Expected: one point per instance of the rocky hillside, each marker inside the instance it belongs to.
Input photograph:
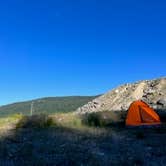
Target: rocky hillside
(151, 91)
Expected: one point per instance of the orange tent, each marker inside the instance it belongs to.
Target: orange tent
(140, 113)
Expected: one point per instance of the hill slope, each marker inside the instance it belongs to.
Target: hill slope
(151, 91)
(46, 105)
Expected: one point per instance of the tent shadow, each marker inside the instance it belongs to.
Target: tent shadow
(162, 114)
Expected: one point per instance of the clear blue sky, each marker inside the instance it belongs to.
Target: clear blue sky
(78, 47)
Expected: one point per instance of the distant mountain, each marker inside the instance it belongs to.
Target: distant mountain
(151, 91)
(48, 105)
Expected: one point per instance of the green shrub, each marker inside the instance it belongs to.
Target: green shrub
(49, 122)
(91, 119)
(40, 121)
(104, 118)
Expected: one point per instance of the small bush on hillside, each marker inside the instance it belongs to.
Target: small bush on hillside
(104, 118)
(35, 121)
(49, 122)
(92, 119)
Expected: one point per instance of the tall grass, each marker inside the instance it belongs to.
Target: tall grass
(12, 119)
(70, 120)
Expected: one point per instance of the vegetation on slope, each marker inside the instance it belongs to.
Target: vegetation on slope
(46, 105)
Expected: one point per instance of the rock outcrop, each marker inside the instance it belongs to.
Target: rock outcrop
(151, 91)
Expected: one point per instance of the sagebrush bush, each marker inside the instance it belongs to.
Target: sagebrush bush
(41, 120)
(92, 119)
(104, 118)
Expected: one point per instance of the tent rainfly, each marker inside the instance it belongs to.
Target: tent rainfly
(140, 113)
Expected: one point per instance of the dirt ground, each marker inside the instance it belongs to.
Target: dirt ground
(59, 146)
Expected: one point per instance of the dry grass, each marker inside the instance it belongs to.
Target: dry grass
(10, 121)
(69, 142)
(67, 120)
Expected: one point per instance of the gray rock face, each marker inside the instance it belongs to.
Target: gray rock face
(162, 102)
(151, 91)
